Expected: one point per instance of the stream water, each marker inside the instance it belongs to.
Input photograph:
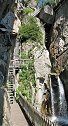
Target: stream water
(52, 99)
(62, 100)
(59, 110)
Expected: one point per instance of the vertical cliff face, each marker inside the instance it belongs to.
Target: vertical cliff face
(4, 58)
(6, 26)
(5, 6)
(42, 66)
(5, 47)
(59, 43)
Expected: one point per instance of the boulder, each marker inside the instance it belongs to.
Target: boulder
(46, 14)
(8, 21)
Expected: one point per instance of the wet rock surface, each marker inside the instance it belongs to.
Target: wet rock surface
(59, 44)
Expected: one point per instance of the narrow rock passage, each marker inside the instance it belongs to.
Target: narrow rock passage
(17, 116)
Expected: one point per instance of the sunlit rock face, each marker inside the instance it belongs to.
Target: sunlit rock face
(43, 68)
(16, 24)
(59, 44)
(42, 64)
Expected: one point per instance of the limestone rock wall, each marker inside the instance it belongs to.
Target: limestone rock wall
(59, 44)
(42, 66)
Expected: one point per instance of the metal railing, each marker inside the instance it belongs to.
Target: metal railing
(18, 62)
(35, 117)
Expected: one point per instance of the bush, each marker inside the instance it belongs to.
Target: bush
(30, 30)
(26, 76)
(24, 55)
(28, 10)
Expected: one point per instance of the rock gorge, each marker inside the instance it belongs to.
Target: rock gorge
(50, 60)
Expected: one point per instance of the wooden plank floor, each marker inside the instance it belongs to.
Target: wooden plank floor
(17, 117)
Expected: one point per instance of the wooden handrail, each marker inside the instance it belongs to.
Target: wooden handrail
(17, 62)
(21, 60)
(35, 117)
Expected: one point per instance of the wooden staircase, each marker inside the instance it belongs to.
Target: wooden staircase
(10, 93)
(10, 83)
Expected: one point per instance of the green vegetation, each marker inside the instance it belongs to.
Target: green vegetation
(24, 55)
(27, 77)
(31, 30)
(27, 73)
(27, 10)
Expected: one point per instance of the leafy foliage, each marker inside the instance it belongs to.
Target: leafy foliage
(24, 55)
(27, 73)
(30, 30)
(26, 76)
(27, 10)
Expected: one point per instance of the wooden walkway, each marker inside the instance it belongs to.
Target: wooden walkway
(17, 117)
